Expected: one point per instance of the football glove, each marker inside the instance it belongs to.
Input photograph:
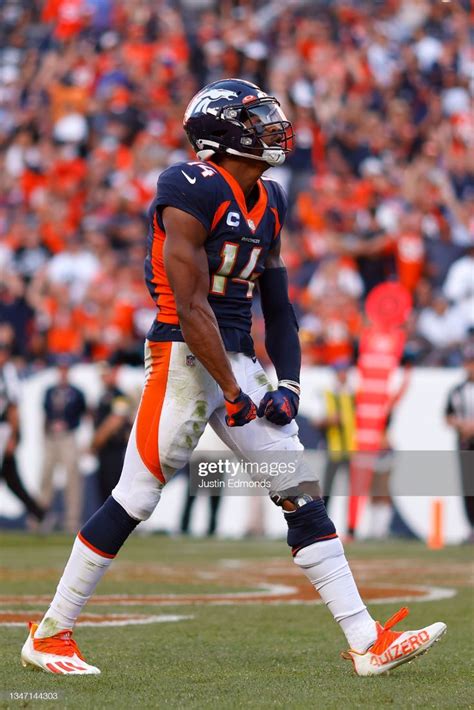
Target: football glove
(241, 411)
(279, 406)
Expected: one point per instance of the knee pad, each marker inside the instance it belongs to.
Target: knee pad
(308, 524)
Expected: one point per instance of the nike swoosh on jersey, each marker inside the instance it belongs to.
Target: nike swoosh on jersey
(189, 179)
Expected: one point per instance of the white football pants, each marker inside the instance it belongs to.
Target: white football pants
(179, 398)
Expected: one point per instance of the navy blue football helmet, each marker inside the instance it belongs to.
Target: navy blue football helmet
(236, 117)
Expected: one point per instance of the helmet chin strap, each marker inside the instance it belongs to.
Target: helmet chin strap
(270, 156)
(205, 154)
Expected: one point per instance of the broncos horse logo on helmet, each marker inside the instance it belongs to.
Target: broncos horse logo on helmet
(201, 102)
(236, 117)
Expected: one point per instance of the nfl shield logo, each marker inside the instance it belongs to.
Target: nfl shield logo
(190, 360)
(251, 224)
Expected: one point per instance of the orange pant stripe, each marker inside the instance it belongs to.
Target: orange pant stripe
(149, 412)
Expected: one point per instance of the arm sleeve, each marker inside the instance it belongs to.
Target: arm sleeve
(281, 327)
(189, 188)
(279, 210)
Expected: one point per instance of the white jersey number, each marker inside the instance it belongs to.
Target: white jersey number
(220, 279)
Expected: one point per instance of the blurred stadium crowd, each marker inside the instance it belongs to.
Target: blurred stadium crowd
(381, 184)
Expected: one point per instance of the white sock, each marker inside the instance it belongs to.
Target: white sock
(81, 575)
(326, 567)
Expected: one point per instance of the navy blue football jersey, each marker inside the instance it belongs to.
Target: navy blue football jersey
(237, 244)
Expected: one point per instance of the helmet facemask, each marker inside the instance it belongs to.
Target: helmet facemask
(268, 134)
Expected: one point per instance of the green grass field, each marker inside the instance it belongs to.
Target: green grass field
(234, 655)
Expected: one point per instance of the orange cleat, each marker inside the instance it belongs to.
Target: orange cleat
(55, 654)
(392, 648)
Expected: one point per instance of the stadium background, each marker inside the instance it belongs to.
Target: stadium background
(381, 184)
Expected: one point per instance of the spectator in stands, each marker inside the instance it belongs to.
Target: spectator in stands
(328, 334)
(74, 266)
(444, 328)
(334, 276)
(381, 177)
(16, 311)
(64, 406)
(459, 286)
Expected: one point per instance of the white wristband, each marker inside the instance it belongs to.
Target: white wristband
(290, 385)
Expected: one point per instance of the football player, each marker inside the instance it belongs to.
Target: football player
(215, 229)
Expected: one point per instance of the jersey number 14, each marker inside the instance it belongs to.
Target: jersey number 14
(247, 276)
